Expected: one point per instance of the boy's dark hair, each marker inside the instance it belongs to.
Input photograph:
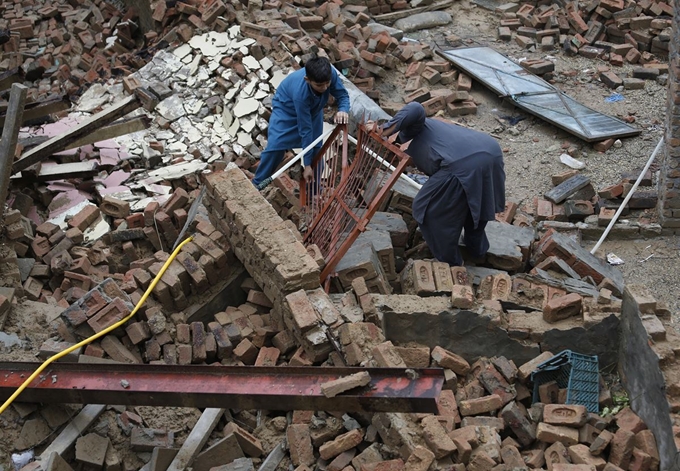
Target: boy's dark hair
(318, 70)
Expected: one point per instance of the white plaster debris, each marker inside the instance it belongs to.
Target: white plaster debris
(245, 139)
(251, 63)
(182, 51)
(173, 172)
(244, 107)
(277, 78)
(171, 108)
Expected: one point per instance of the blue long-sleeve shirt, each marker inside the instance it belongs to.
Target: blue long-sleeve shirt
(297, 115)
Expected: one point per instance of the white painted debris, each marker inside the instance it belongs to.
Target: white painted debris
(176, 171)
(182, 51)
(251, 63)
(244, 107)
(171, 108)
(614, 259)
(569, 161)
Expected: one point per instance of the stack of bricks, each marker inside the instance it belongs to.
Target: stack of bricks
(266, 245)
(669, 176)
(618, 31)
(575, 207)
(487, 403)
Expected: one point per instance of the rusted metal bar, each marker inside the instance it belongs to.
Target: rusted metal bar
(270, 388)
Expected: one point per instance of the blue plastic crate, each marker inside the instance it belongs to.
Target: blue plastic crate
(579, 374)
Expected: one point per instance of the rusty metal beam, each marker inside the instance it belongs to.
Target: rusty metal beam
(244, 387)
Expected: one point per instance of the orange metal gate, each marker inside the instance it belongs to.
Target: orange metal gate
(340, 203)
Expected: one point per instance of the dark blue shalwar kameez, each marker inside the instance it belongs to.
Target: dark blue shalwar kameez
(297, 119)
(466, 185)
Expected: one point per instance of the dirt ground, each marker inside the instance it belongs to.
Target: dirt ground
(532, 148)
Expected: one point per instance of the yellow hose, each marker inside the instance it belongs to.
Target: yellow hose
(99, 334)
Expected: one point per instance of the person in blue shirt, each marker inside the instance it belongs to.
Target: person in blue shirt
(466, 184)
(297, 115)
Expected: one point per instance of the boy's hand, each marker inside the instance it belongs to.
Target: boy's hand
(341, 117)
(308, 174)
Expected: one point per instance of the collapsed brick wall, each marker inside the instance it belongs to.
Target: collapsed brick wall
(272, 253)
(669, 179)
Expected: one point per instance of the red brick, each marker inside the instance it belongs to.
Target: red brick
(563, 414)
(85, 217)
(562, 307)
(480, 405)
(621, 448)
(109, 315)
(629, 420)
(267, 356)
(300, 445)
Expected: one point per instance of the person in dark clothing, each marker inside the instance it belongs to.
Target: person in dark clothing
(297, 114)
(466, 184)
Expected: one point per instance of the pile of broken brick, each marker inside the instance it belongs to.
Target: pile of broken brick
(617, 31)
(64, 48)
(573, 206)
(487, 416)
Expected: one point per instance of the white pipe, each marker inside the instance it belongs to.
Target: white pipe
(408, 180)
(627, 198)
(264, 183)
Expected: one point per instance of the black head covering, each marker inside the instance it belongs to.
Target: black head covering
(410, 120)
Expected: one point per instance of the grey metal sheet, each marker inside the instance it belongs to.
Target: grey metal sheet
(536, 96)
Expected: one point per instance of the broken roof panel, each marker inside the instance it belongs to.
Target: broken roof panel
(536, 96)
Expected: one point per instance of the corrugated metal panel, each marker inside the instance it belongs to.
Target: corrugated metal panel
(536, 96)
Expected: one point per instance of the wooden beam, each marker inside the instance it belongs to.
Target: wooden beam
(73, 430)
(196, 440)
(36, 110)
(10, 134)
(84, 169)
(9, 77)
(115, 129)
(397, 15)
(62, 141)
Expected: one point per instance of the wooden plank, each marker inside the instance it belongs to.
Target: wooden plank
(567, 188)
(9, 77)
(70, 170)
(397, 15)
(67, 438)
(196, 439)
(115, 129)
(60, 142)
(10, 134)
(34, 111)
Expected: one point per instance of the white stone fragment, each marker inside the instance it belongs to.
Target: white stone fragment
(266, 63)
(171, 108)
(277, 78)
(251, 63)
(193, 67)
(248, 125)
(244, 107)
(231, 93)
(234, 31)
(233, 129)
(227, 118)
(182, 51)
(244, 139)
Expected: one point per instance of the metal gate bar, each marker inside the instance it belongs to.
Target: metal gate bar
(350, 206)
(241, 387)
(334, 161)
